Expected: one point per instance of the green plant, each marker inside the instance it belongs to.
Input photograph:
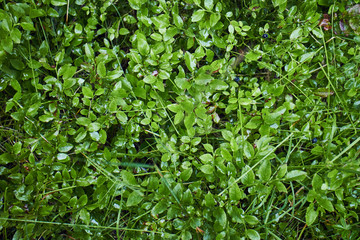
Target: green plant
(178, 119)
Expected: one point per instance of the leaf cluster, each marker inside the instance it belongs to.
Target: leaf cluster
(182, 119)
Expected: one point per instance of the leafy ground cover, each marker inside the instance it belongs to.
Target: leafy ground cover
(182, 119)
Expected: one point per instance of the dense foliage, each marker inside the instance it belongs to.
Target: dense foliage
(190, 119)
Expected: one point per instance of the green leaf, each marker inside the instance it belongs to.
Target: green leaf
(16, 210)
(6, 24)
(203, 79)
(160, 207)
(307, 57)
(244, 101)
(122, 117)
(227, 135)
(277, 91)
(63, 157)
(221, 219)
(17, 147)
(209, 4)
(124, 31)
(99, 92)
(101, 69)
(317, 182)
(6, 158)
(254, 122)
(273, 117)
(295, 175)
(156, 37)
(150, 79)
(252, 220)
(46, 118)
(34, 64)
(134, 198)
(208, 147)
(280, 186)
(326, 3)
(235, 192)
(178, 117)
(15, 84)
(253, 56)
(103, 136)
(197, 15)
(186, 174)
(178, 21)
(188, 197)
(129, 178)
(142, 44)
(325, 203)
(67, 71)
(78, 28)
(207, 158)
(278, 2)
(209, 200)
(170, 33)
(226, 155)
(189, 120)
(253, 234)
(45, 210)
(296, 34)
(52, 13)
(265, 170)
(28, 26)
(32, 111)
(140, 92)
(9, 106)
(58, 2)
(248, 150)
(218, 85)
(317, 32)
(87, 92)
(29, 228)
(136, 4)
(68, 83)
(219, 42)
(311, 214)
(214, 19)
(15, 35)
(17, 10)
(83, 121)
(190, 61)
(82, 200)
(207, 169)
(145, 121)
(7, 44)
(160, 85)
(94, 126)
(89, 52)
(248, 176)
(65, 147)
(282, 171)
(60, 56)
(80, 136)
(84, 216)
(161, 21)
